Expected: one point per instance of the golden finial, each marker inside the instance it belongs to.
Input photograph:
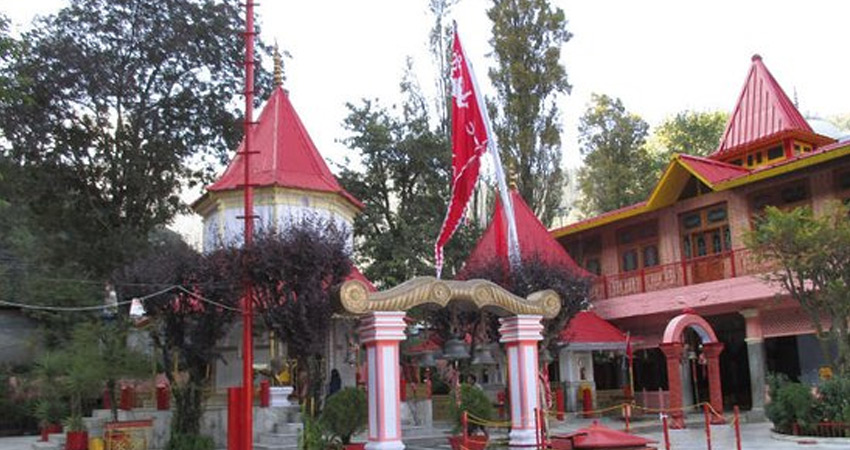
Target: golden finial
(278, 66)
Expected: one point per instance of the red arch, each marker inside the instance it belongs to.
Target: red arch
(676, 328)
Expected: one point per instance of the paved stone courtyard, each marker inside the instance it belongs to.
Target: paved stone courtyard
(755, 436)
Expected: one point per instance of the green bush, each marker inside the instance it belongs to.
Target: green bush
(346, 413)
(181, 441)
(790, 403)
(834, 400)
(475, 402)
(312, 434)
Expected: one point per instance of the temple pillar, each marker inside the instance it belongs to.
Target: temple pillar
(381, 333)
(712, 350)
(756, 359)
(673, 352)
(520, 335)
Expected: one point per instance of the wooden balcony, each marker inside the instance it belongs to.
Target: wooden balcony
(731, 264)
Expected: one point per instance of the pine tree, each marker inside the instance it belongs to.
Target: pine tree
(529, 78)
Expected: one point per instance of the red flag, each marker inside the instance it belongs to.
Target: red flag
(469, 142)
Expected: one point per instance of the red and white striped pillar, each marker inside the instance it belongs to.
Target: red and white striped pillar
(381, 332)
(520, 335)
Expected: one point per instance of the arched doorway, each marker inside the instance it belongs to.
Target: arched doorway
(382, 328)
(672, 344)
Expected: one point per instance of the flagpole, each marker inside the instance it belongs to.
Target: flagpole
(630, 356)
(513, 239)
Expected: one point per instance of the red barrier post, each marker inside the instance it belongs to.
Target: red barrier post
(265, 394)
(107, 402)
(666, 430)
(402, 389)
(127, 400)
(627, 413)
(233, 429)
(587, 402)
(464, 423)
(737, 427)
(163, 398)
(707, 426)
(559, 403)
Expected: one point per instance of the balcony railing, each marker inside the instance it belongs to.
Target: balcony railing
(730, 264)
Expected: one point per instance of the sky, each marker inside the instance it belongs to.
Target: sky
(659, 57)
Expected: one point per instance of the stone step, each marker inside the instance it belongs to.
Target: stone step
(276, 438)
(282, 446)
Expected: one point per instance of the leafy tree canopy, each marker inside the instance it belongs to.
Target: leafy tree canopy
(811, 254)
(689, 132)
(114, 100)
(618, 171)
(529, 80)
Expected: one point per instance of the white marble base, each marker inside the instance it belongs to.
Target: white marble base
(522, 439)
(280, 395)
(385, 445)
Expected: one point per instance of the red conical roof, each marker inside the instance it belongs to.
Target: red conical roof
(286, 156)
(763, 113)
(534, 240)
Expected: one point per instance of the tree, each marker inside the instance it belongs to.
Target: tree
(534, 275)
(812, 260)
(529, 78)
(117, 100)
(293, 273)
(187, 323)
(617, 169)
(688, 132)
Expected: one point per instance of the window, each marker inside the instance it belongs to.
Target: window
(737, 162)
(586, 252)
(592, 265)
(638, 246)
(650, 256)
(630, 261)
(842, 185)
(800, 148)
(775, 153)
(705, 232)
(787, 196)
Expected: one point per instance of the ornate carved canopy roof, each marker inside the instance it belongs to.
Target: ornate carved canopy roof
(356, 298)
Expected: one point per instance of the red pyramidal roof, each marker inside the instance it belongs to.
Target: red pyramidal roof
(286, 156)
(763, 113)
(588, 328)
(600, 436)
(534, 240)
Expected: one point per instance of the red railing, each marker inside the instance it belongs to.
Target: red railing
(731, 264)
(823, 429)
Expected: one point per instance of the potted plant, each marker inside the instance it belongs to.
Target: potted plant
(48, 411)
(346, 414)
(76, 433)
(49, 368)
(477, 405)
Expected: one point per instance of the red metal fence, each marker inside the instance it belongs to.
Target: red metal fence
(731, 264)
(823, 429)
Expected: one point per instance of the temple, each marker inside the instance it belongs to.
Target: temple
(681, 253)
(291, 182)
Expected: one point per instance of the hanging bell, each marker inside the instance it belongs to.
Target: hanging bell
(427, 360)
(483, 357)
(455, 349)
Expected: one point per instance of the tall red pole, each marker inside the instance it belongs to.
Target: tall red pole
(248, 215)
